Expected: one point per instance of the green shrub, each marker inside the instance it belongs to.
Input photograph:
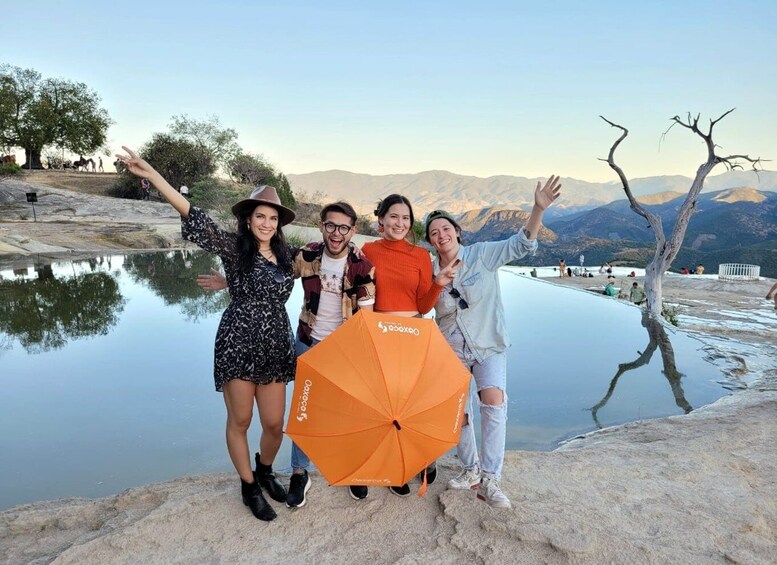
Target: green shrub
(9, 169)
(295, 240)
(670, 314)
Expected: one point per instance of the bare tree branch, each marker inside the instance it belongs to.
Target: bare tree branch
(653, 220)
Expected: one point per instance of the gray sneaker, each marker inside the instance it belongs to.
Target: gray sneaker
(490, 493)
(467, 479)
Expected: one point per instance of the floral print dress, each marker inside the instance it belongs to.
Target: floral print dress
(254, 341)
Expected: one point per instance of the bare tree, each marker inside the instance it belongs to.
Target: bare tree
(666, 249)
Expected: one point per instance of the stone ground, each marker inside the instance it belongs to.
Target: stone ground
(699, 488)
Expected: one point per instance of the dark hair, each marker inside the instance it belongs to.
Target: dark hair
(247, 248)
(342, 207)
(388, 202)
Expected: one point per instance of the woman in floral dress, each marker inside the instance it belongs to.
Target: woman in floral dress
(254, 351)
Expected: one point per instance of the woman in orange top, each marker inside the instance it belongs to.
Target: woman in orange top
(403, 271)
(404, 285)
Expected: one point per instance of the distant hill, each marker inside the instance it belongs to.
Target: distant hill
(458, 193)
(730, 226)
(492, 224)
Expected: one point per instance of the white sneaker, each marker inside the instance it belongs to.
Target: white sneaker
(467, 479)
(490, 493)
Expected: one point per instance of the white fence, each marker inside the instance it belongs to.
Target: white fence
(739, 272)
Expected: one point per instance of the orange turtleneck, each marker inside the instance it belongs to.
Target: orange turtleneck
(403, 276)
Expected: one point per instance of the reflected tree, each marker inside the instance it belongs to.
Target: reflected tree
(45, 313)
(172, 276)
(658, 339)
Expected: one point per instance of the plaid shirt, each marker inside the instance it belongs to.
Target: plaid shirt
(358, 284)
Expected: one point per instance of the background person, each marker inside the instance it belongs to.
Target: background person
(145, 191)
(254, 352)
(636, 294)
(772, 294)
(471, 317)
(610, 289)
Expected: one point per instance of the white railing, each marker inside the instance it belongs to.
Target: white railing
(739, 272)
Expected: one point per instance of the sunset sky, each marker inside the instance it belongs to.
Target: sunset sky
(482, 89)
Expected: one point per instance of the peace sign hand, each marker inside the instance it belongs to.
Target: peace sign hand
(446, 275)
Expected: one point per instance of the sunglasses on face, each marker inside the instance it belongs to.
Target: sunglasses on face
(462, 303)
(342, 229)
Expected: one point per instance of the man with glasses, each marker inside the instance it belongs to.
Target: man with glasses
(337, 281)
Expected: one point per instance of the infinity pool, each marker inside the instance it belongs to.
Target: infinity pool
(106, 371)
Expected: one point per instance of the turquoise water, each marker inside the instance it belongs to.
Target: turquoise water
(106, 372)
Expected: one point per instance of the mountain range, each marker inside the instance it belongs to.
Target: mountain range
(430, 190)
(729, 226)
(735, 221)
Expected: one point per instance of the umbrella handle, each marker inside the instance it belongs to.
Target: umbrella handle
(424, 484)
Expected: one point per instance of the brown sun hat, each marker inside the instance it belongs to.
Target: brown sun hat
(264, 194)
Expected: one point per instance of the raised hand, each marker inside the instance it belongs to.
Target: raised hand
(140, 168)
(446, 275)
(545, 195)
(135, 164)
(214, 281)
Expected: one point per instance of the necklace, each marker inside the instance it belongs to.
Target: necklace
(266, 252)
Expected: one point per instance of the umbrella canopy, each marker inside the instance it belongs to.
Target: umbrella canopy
(378, 400)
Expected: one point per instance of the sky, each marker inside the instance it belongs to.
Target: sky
(475, 88)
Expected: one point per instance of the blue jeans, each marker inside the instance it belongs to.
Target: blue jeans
(491, 373)
(298, 458)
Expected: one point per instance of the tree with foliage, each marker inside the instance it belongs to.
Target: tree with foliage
(180, 161)
(667, 248)
(251, 169)
(419, 231)
(209, 135)
(254, 170)
(36, 113)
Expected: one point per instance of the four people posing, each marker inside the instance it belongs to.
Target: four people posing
(255, 352)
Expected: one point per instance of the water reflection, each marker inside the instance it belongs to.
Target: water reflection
(135, 402)
(658, 338)
(171, 277)
(48, 311)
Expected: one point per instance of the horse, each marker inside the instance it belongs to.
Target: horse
(7, 159)
(85, 163)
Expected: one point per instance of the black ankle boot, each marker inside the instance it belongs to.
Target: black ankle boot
(266, 478)
(252, 497)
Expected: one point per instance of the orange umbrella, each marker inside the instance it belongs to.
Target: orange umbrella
(378, 400)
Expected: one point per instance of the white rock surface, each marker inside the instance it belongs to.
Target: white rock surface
(700, 488)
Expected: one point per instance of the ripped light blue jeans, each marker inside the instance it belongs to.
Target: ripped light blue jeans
(491, 373)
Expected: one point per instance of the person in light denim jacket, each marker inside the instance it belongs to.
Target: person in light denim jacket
(470, 315)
